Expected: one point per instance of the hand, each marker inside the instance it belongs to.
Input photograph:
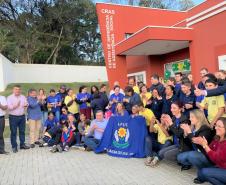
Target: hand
(125, 100)
(188, 106)
(186, 128)
(168, 120)
(95, 126)
(199, 92)
(200, 140)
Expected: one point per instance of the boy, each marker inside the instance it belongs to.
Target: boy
(67, 138)
(187, 97)
(54, 103)
(214, 104)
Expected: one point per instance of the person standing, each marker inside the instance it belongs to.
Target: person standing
(34, 116)
(17, 104)
(3, 108)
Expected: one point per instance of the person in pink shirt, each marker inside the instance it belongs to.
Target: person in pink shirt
(17, 105)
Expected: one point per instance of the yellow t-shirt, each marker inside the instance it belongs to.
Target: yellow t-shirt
(148, 115)
(74, 107)
(213, 103)
(162, 138)
(136, 89)
(148, 95)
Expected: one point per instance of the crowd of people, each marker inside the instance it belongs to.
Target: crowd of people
(185, 122)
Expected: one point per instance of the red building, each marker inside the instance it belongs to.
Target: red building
(140, 41)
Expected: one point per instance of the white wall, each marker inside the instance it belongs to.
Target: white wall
(41, 73)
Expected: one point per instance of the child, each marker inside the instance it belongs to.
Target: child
(163, 140)
(50, 122)
(187, 97)
(83, 126)
(67, 138)
(215, 104)
(54, 103)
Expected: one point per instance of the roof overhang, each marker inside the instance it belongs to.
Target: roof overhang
(155, 40)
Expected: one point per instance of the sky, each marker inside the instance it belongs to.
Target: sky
(195, 1)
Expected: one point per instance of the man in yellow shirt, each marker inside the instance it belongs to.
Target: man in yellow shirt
(70, 102)
(214, 104)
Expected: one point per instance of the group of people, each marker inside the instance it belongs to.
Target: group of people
(186, 123)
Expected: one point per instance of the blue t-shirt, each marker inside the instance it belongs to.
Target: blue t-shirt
(119, 98)
(85, 103)
(63, 117)
(50, 123)
(54, 100)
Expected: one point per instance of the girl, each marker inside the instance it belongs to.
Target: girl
(84, 99)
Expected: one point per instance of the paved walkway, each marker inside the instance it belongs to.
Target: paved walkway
(40, 167)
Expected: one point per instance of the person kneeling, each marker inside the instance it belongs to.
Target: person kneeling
(153, 146)
(96, 131)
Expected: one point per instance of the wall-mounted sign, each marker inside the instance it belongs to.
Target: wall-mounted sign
(183, 66)
(222, 62)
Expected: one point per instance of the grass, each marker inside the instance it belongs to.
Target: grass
(47, 86)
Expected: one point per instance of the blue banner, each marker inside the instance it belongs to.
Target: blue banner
(124, 136)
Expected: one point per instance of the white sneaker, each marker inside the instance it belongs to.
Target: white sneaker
(148, 161)
(154, 162)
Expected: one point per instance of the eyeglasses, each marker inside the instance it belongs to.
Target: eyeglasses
(218, 126)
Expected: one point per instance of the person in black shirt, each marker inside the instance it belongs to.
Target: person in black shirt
(156, 104)
(168, 99)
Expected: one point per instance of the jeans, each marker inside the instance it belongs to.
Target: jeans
(77, 138)
(194, 158)
(216, 176)
(57, 114)
(52, 141)
(169, 153)
(152, 146)
(91, 142)
(44, 117)
(2, 127)
(14, 122)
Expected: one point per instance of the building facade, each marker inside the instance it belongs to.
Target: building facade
(139, 41)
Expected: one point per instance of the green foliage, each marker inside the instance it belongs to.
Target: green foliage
(54, 32)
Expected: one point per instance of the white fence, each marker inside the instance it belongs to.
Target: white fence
(42, 73)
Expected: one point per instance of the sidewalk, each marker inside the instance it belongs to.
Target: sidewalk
(40, 167)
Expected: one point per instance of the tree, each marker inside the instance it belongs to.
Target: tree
(51, 32)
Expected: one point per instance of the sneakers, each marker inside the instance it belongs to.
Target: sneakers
(32, 145)
(59, 148)
(148, 160)
(53, 149)
(154, 162)
(66, 148)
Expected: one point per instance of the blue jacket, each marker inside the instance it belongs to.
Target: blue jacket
(133, 100)
(34, 109)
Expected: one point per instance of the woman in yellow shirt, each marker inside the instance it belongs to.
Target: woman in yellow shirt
(145, 95)
(71, 103)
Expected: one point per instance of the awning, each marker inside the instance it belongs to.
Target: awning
(155, 40)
